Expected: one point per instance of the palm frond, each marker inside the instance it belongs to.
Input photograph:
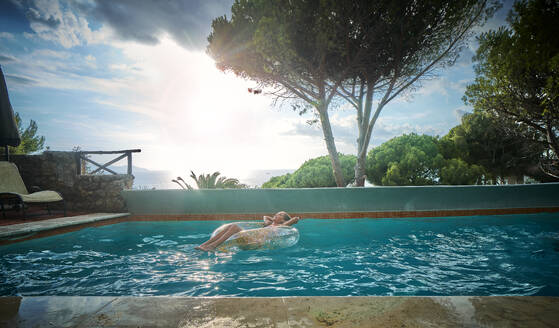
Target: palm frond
(175, 181)
(189, 187)
(210, 181)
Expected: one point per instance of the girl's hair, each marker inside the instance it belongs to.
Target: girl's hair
(286, 216)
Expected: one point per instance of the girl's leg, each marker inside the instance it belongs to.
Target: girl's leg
(214, 238)
(233, 229)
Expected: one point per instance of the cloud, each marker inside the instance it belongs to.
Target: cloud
(461, 111)
(344, 129)
(188, 22)
(198, 115)
(435, 86)
(6, 35)
(386, 130)
(468, 51)
(60, 22)
(91, 61)
(65, 70)
(48, 53)
(459, 86)
(304, 129)
(440, 86)
(7, 58)
(45, 18)
(20, 79)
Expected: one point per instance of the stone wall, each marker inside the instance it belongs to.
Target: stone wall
(343, 200)
(56, 170)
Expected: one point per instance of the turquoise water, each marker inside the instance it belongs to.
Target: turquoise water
(482, 255)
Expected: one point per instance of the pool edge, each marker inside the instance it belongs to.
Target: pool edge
(377, 311)
(342, 215)
(31, 230)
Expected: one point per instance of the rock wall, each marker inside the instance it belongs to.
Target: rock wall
(56, 170)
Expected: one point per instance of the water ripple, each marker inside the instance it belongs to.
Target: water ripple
(513, 255)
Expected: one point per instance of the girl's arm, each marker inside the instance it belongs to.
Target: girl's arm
(292, 221)
(267, 220)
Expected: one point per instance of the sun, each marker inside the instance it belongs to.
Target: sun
(206, 120)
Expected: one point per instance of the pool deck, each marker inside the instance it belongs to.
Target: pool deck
(452, 311)
(31, 228)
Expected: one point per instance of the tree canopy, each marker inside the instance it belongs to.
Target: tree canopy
(418, 160)
(405, 160)
(314, 173)
(517, 69)
(397, 45)
(291, 47)
(317, 51)
(482, 149)
(30, 141)
(500, 146)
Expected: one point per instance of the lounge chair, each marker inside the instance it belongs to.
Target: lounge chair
(13, 190)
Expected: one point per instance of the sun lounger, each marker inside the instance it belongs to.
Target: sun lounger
(13, 190)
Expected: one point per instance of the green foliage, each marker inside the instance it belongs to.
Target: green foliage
(266, 42)
(517, 75)
(420, 160)
(314, 173)
(316, 50)
(292, 47)
(457, 172)
(277, 182)
(210, 181)
(483, 149)
(30, 141)
(502, 147)
(406, 160)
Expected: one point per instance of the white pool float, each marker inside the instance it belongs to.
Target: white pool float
(255, 236)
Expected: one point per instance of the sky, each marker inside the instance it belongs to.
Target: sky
(111, 75)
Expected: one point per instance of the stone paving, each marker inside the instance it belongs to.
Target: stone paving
(452, 311)
(22, 229)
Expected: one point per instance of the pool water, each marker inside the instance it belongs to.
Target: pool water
(482, 255)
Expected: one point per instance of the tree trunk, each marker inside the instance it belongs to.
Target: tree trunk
(360, 166)
(330, 145)
(363, 125)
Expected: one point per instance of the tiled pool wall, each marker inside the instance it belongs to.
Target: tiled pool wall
(339, 203)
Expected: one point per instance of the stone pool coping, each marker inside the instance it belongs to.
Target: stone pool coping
(30, 228)
(353, 311)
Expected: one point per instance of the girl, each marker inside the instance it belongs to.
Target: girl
(279, 219)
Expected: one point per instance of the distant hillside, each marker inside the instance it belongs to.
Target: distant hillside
(160, 179)
(258, 177)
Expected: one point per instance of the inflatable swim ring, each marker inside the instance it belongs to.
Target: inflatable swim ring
(256, 236)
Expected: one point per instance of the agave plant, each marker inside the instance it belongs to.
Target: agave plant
(209, 181)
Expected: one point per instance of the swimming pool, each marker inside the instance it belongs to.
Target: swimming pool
(481, 255)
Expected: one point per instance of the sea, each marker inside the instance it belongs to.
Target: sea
(161, 179)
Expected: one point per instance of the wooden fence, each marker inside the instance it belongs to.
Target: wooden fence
(82, 157)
